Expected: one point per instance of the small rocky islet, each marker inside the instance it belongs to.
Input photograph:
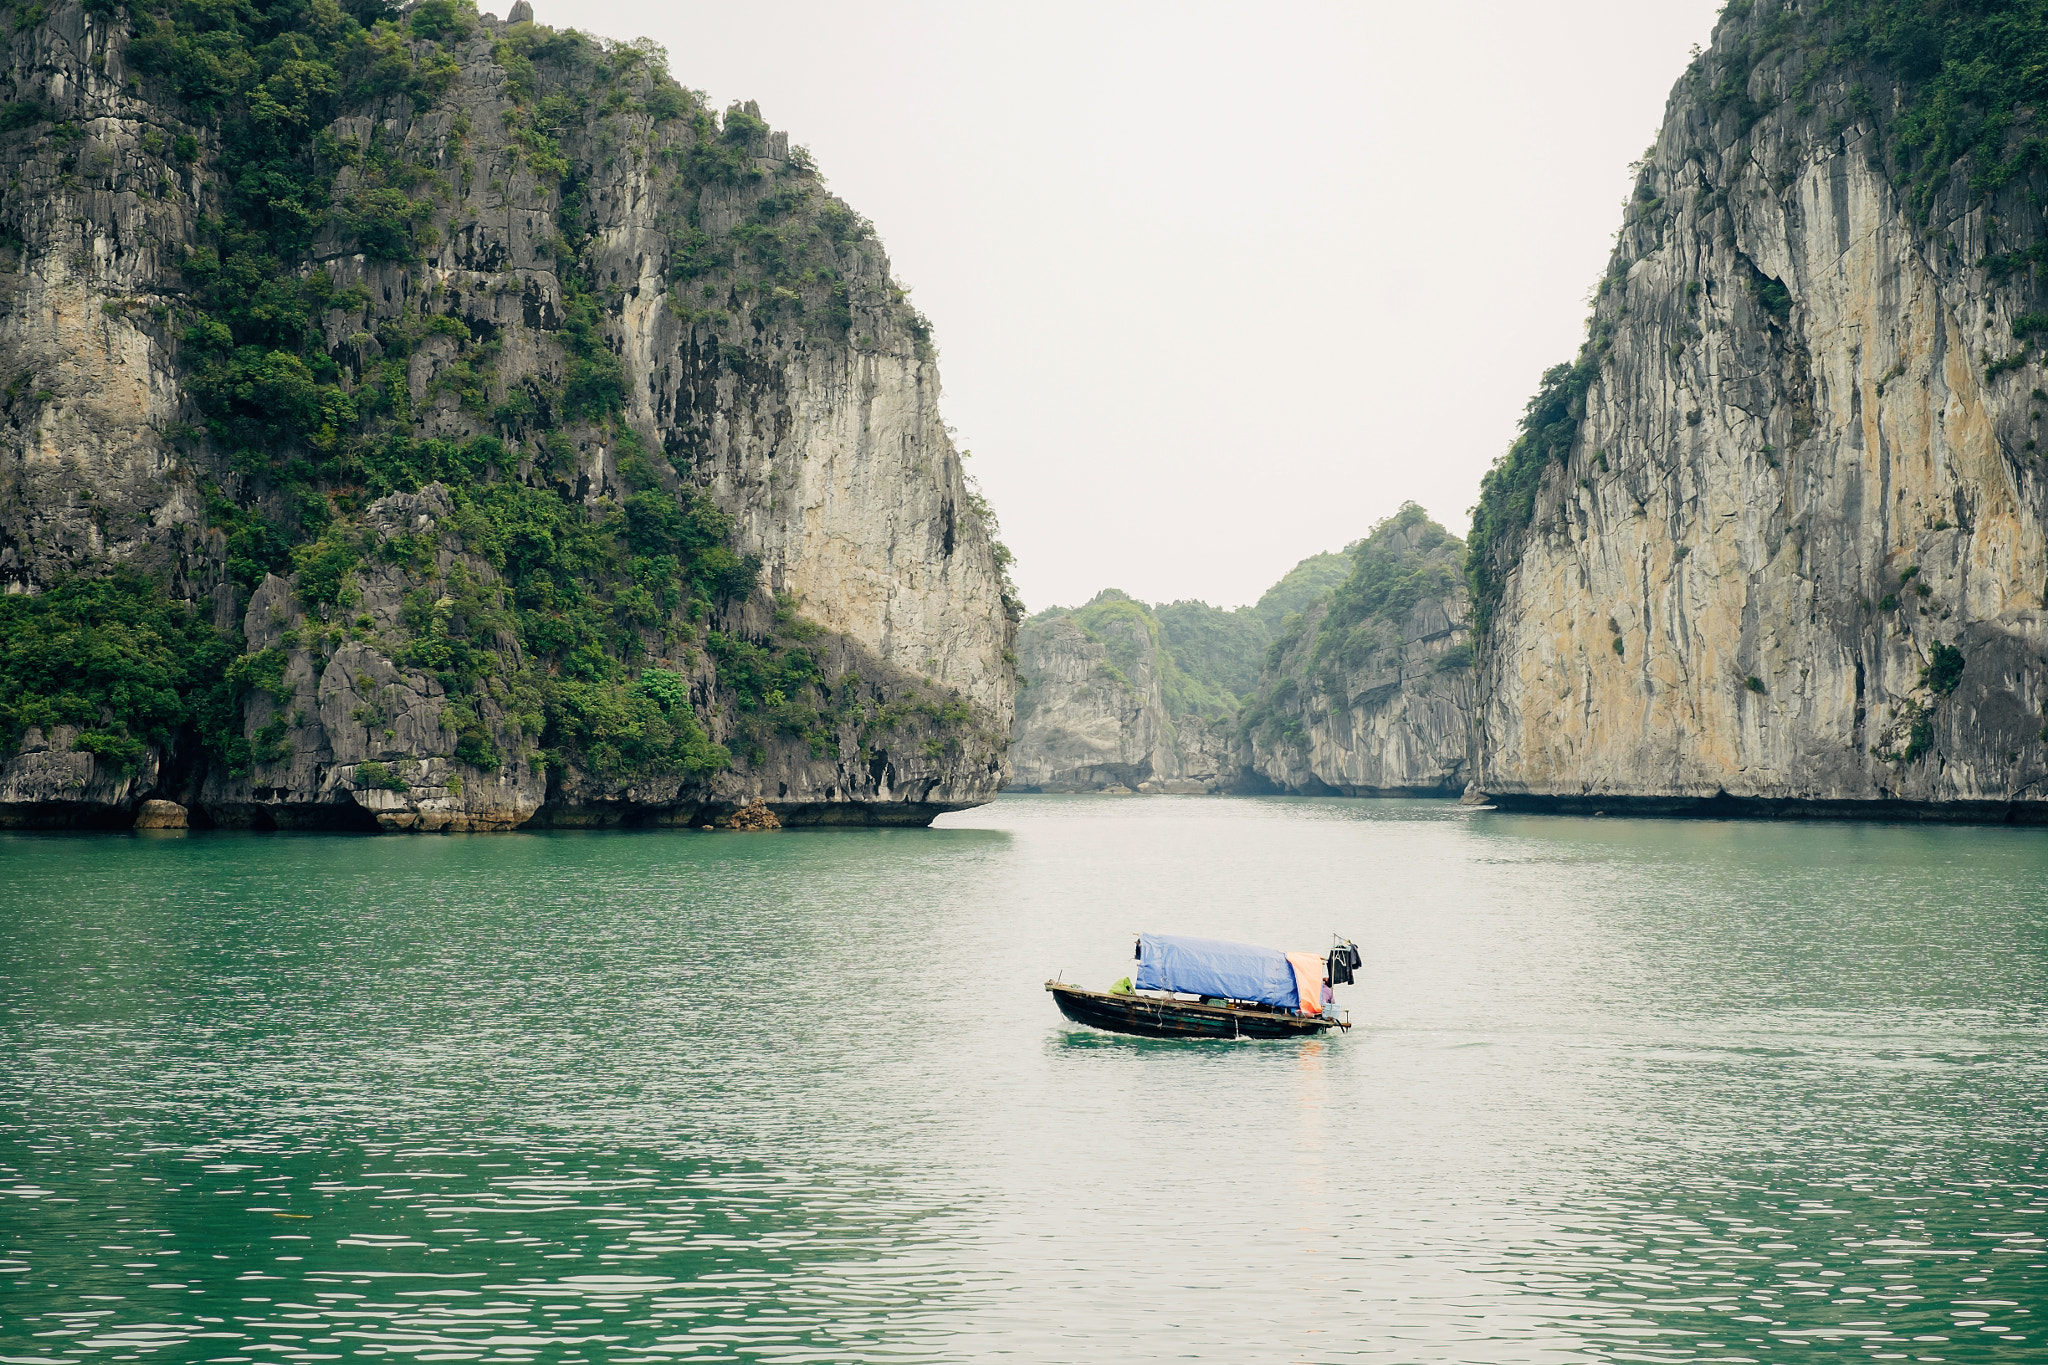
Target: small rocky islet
(425, 421)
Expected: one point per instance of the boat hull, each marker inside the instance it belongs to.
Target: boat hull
(1152, 1017)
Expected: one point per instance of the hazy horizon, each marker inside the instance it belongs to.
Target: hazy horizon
(1214, 289)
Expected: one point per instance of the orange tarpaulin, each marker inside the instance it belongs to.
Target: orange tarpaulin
(1308, 980)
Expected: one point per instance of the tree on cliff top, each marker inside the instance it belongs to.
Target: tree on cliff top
(1300, 588)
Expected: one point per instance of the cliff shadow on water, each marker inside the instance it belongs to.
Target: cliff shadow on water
(419, 421)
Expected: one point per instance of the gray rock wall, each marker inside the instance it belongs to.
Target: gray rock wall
(1084, 723)
(826, 447)
(1368, 693)
(1399, 725)
(50, 781)
(1780, 506)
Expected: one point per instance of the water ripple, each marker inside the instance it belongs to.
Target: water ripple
(1619, 1090)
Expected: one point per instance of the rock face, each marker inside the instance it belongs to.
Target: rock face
(548, 273)
(1082, 724)
(1781, 540)
(1097, 709)
(1371, 692)
(51, 782)
(1366, 687)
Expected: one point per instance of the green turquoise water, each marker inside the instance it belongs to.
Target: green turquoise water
(1616, 1090)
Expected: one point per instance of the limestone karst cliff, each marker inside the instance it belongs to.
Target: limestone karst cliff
(421, 421)
(1370, 691)
(1106, 705)
(1351, 676)
(1776, 537)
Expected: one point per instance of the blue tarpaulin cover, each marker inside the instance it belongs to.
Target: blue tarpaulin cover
(1213, 966)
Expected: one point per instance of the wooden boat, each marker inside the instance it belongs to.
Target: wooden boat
(1167, 1016)
(1212, 988)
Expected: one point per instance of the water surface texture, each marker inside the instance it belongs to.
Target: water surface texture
(1617, 1090)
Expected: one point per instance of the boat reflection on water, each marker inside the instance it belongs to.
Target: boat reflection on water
(1212, 988)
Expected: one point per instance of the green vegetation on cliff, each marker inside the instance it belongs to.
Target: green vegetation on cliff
(1134, 638)
(1229, 664)
(1225, 650)
(1406, 559)
(1507, 492)
(1968, 76)
(1221, 648)
(1301, 587)
(117, 658)
(1968, 72)
(299, 435)
(1208, 657)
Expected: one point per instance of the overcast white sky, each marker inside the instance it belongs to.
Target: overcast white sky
(1215, 286)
